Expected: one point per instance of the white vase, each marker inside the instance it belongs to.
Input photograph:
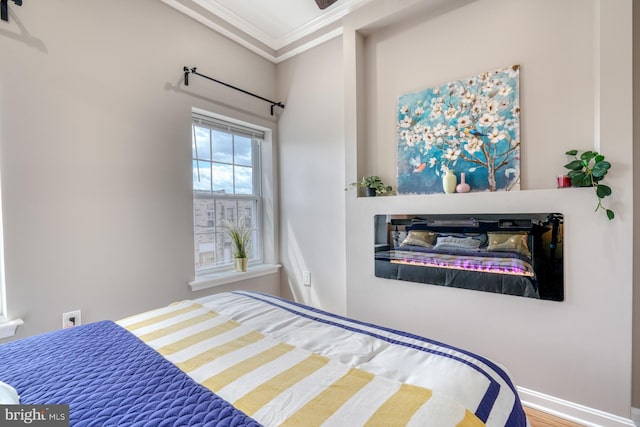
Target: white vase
(449, 182)
(241, 264)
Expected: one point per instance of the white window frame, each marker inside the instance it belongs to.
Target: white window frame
(7, 327)
(266, 251)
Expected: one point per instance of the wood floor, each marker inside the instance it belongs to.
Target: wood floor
(541, 419)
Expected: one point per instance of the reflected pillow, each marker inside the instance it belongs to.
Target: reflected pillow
(453, 242)
(420, 238)
(509, 242)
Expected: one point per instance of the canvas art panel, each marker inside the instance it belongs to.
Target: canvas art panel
(469, 126)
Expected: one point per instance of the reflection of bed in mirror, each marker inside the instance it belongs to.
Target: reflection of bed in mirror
(514, 254)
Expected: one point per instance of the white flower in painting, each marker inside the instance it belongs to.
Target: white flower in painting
(419, 111)
(473, 145)
(486, 120)
(472, 81)
(404, 110)
(432, 162)
(475, 110)
(452, 131)
(468, 97)
(429, 139)
(450, 113)
(405, 122)
(491, 106)
(436, 112)
(464, 122)
(488, 86)
(496, 135)
(452, 154)
(436, 91)
(415, 139)
(512, 71)
(439, 129)
(405, 134)
(504, 104)
(504, 90)
(515, 142)
(510, 124)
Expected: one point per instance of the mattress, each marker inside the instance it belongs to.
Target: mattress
(244, 358)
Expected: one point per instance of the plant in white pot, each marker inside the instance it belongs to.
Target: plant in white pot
(240, 236)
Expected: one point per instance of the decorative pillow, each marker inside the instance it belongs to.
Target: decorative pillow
(509, 242)
(420, 238)
(453, 242)
(8, 395)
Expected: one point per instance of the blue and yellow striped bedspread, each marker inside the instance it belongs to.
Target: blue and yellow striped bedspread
(280, 384)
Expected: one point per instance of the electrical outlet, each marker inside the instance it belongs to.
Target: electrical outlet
(306, 278)
(71, 319)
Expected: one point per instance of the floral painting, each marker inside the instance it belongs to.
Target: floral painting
(470, 126)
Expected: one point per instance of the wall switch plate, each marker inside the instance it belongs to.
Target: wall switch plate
(306, 278)
(71, 319)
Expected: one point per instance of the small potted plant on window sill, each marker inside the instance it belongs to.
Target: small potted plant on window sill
(240, 236)
(587, 171)
(373, 186)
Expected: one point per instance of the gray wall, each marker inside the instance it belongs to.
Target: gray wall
(95, 153)
(312, 180)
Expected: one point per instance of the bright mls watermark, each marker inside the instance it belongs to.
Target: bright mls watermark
(34, 415)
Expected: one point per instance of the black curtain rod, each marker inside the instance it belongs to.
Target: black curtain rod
(193, 70)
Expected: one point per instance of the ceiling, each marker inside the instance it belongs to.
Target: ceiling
(274, 29)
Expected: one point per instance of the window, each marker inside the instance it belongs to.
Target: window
(226, 186)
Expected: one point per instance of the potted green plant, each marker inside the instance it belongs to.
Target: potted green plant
(587, 171)
(373, 186)
(240, 236)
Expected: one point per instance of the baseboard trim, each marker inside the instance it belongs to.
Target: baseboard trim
(570, 411)
(635, 415)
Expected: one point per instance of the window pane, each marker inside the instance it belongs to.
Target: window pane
(247, 209)
(201, 147)
(204, 237)
(222, 178)
(244, 180)
(243, 151)
(201, 176)
(222, 146)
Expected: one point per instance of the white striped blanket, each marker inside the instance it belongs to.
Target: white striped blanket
(276, 381)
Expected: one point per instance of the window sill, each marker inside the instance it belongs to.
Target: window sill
(8, 328)
(226, 277)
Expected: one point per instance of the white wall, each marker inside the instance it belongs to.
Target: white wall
(312, 179)
(95, 153)
(575, 93)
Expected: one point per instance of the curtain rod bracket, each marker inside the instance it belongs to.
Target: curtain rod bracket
(4, 8)
(193, 70)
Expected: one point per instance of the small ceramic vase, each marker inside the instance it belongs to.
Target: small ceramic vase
(449, 182)
(463, 187)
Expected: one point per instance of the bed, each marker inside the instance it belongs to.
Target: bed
(250, 359)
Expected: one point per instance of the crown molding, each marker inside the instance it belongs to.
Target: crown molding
(247, 34)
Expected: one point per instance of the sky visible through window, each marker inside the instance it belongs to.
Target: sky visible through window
(224, 162)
